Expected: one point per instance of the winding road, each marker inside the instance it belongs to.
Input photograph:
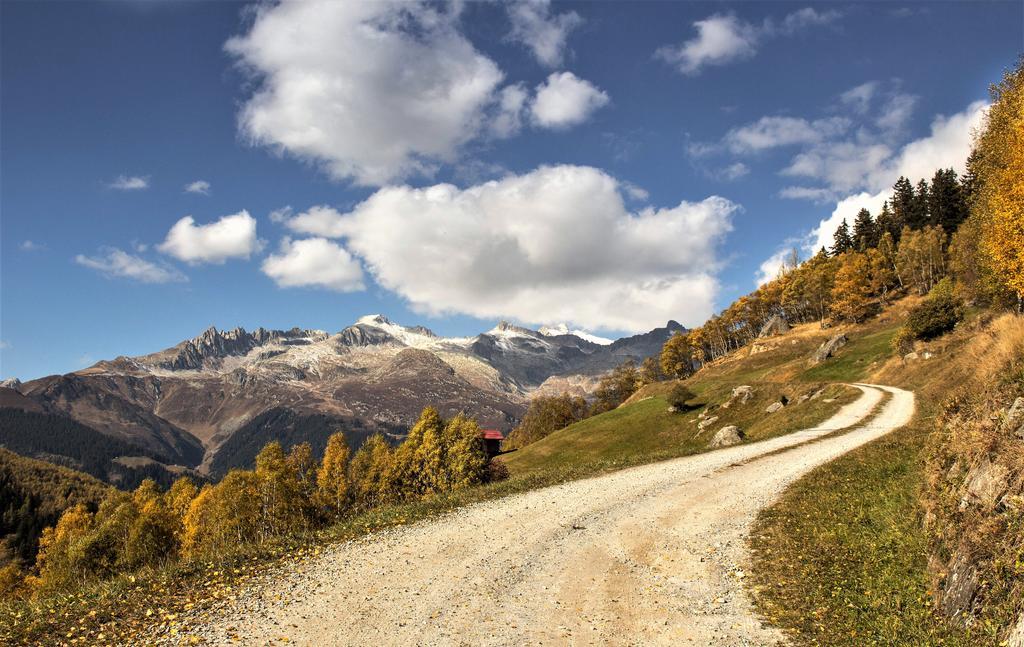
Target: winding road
(652, 555)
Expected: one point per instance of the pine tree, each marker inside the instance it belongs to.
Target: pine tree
(902, 203)
(842, 241)
(919, 216)
(888, 223)
(332, 477)
(865, 231)
(947, 207)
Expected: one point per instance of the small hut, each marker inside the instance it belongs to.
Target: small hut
(492, 441)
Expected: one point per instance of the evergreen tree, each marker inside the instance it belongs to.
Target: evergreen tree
(947, 207)
(888, 223)
(865, 231)
(918, 218)
(902, 204)
(842, 241)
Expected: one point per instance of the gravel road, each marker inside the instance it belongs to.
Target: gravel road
(649, 555)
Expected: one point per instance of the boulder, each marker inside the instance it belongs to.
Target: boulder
(985, 483)
(774, 406)
(911, 356)
(1015, 418)
(742, 393)
(727, 436)
(829, 348)
(776, 325)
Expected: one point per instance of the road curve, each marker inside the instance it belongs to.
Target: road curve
(649, 555)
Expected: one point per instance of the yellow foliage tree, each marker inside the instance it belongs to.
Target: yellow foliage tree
(466, 458)
(677, 356)
(61, 560)
(851, 293)
(332, 477)
(1000, 170)
(369, 472)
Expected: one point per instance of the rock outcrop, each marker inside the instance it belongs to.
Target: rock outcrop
(776, 325)
(726, 436)
(829, 348)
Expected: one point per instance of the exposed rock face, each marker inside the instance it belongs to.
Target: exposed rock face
(776, 325)
(774, 406)
(1015, 418)
(707, 422)
(1016, 636)
(961, 585)
(829, 348)
(985, 483)
(726, 436)
(10, 383)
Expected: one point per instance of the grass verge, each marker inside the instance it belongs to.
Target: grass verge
(840, 559)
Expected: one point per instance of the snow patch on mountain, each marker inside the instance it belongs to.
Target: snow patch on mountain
(562, 329)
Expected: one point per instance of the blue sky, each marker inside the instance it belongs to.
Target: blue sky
(609, 165)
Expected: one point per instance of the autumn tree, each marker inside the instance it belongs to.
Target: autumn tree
(369, 473)
(650, 371)
(465, 456)
(851, 293)
(546, 415)
(332, 483)
(677, 356)
(921, 261)
(999, 201)
(615, 387)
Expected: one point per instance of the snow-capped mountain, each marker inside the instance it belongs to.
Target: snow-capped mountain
(223, 392)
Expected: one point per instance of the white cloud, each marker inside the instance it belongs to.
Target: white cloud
(31, 246)
(772, 266)
(314, 262)
(896, 112)
(508, 118)
(724, 38)
(774, 132)
(5, 345)
(373, 91)
(544, 34)
(232, 236)
(130, 183)
(859, 98)
(320, 220)
(113, 262)
(555, 244)
(843, 165)
(565, 100)
(846, 209)
(201, 187)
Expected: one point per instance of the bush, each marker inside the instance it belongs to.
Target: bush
(679, 396)
(934, 317)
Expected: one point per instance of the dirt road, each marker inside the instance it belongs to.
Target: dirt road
(649, 555)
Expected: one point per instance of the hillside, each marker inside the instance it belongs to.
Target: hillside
(33, 494)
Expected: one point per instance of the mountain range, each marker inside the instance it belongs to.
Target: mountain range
(211, 402)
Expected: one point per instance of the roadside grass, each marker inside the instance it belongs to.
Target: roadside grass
(860, 357)
(840, 559)
(644, 431)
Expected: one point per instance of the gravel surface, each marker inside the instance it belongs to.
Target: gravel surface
(649, 555)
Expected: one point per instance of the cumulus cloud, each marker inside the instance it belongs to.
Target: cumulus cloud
(555, 244)
(113, 262)
(544, 34)
(724, 38)
(373, 91)
(314, 262)
(129, 183)
(201, 187)
(232, 236)
(565, 100)
(320, 220)
(774, 264)
(508, 118)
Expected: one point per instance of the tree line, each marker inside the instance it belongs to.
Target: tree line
(285, 494)
(969, 228)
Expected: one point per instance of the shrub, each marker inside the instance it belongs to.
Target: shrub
(496, 471)
(934, 317)
(679, 396)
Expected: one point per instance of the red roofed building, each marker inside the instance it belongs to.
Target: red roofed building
(492, 441)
